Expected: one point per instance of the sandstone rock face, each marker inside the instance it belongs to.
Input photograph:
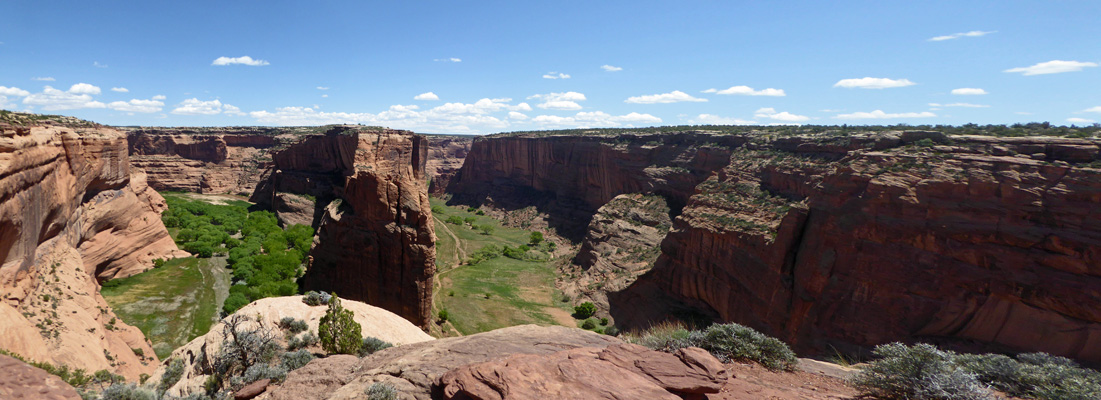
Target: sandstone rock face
(415, 369)
(21, 381)
(199, 354)
(72, 213)
(445, 157)
(375, 239)
(622, 371)
(205, 160)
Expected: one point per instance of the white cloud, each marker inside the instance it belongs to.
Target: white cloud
(324, 96)
(556, 75)
(98, 65)
(13, 91)
(784, 116)
(873, 83)
(595, 119)
(159, 97)
(1093, 109)
(1052, 67)
(748, 91)
(245, 60)
(559, 101)
(137, 105)
(1080, 121)
(53, 99)
(879, 114)
(194, 106)
(426, 96)
(675, 96)
(84, 88)
(452, 59)
(968, 91)
(610, 68)
(968, 105)
(322, 88)
(4, 103)
(120, 90)
(517, 116)
(961, 34)
(43, 78)
(710, 119)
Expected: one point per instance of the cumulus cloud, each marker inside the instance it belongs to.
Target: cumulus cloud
(84, 88)
(968, 105)
(51, 99)
(322, 88)
(748, 91)
(517, 116)
(1076, 120)
(244, 60)
(711, 119)
(159, 97)
(959, 35)
(675, 96)
(451, 59)
(1052, 67)
(968, 91)
(43, 78)
(559, 101)
(784, 116)
(448, 118)
(98, 65)
(610, 68)
(873, 83)
(555, 75)
(879, 114)
(194, 106)
(1093, 109)
(137, 105)
(595, 119)
(120, 90)
(426, 96)
(13, 91)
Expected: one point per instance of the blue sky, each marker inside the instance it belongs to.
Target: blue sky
(484, 67)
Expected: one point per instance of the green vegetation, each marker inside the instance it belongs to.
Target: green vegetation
(339, 331)
(266, 260)
(727, 342)
(584, 310)
(495, 280)
(171, 305)
(382, 391)
(370, 345)
(923, 372)
(77, 378)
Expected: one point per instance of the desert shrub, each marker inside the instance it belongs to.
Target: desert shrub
(293, 360)
(370, 345)
(480, 212)
(611, 331)
(741, 343)
(470, 220)
(588, 324)
(437, 210)
(172, 374)
(264, 371)
(303, 341)
(919, 372)
(443, 315)
(536, 237)
(1033, 375)
(584, 310)
(293, 325)
(382, 391)
(665, 337)
(486, 229)
(244, 345)
(234, 302)
(313, 298)
(129, 391)
(603, 322)
(454, 220)
(339, 331)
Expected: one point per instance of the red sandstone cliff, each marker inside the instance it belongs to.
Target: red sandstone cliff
(71, 212)
(445, 158)
(375, 238)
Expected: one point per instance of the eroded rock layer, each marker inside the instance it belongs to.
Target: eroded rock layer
(445, 158)
(375, 239)
(72, 215)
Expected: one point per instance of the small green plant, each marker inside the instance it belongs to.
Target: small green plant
(603, 322)
(339, 332)
(313, 298)
(294, 326)
(172, 374)
(469, 220)
(442, 316)
(588, 324)
(372, 344)
(584, 310)
(479, 212)
(919, 372)
(536, 238)
(293, 360)
(382, 391)
(454, 220)
(486, 229)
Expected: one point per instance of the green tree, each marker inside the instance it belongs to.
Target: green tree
(486, 229)
(585, 310)
(339, 331)
(536, 237)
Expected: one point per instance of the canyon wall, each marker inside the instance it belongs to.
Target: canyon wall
(366, 193)
(72, 215)
(445, 157)
(979, 243)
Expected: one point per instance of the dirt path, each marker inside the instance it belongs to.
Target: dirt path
(459, 252)
(221, 277)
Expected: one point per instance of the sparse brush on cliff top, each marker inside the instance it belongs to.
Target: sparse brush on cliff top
(727, 342)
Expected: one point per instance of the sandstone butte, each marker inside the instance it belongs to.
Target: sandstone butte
(72, 215)
(364, 191)
(976, 242)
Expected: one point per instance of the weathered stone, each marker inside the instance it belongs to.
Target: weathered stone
(252, 390)
(21, 381)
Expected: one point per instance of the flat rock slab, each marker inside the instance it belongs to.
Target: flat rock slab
(20, 380)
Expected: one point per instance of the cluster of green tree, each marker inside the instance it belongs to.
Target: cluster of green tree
(266, 259)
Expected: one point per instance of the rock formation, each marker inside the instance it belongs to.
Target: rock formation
(445, 157)
(844, 241)
(21, 381)
(375, 238)
(199, 354)
(72, 215)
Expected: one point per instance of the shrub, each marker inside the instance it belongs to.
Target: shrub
(371, 344)
(469, 220)
(313, 298)
(603, 322)
(382, 391)
(339, 332)
(120, 391)
(741, 343)
(588, 324)
(234, 302)
(585, 310)
(919, 372)
(1033, 375)
(293, 325)
(264, 371)
(454, 220)
(301, 342)
(536, 237)
(293, 360)
(158, 262)
(479, 212)
(437, 210)
(172, 374)
(486, 229)
(611, 331)
(443, 315)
